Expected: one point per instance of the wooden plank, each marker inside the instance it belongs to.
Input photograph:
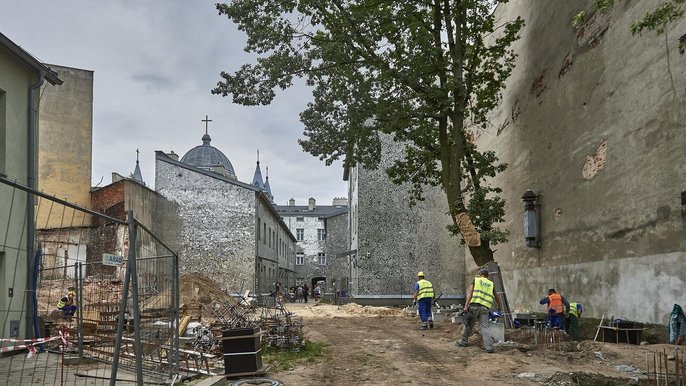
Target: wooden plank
(184, 324)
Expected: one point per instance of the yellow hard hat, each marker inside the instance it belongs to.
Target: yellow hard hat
(420, 274)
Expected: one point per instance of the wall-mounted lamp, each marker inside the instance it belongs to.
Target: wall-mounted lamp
(531, 223)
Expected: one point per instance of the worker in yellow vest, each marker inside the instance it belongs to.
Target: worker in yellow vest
(480, 299)
(572, 322)
(67, 304)
(424, 296)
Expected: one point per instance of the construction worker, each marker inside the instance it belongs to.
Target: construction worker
(424, 296)
(556, 305)
(480, 298)
(67, 304)
(572, 322)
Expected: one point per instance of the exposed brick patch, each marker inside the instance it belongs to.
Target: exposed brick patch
(595, 162)
(538, 85)
(557, 214)
(516, 110)
(593, 30)
(566, 65)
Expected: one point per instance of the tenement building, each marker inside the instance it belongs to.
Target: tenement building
(228, 229)
(321, 250)
(390, 241)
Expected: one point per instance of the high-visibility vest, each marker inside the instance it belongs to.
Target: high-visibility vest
(483, 292)
(426, 290)
(555, 303)
(62, 302)
(573, 311)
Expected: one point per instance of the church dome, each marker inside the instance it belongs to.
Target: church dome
(210, 158)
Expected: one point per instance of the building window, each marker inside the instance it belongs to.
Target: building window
(299, 258)
(321, 258)
(300, 234)
(264, 233)
(321, 234)
(300, 219)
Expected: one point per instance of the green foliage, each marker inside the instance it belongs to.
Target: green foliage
(419, 72)
(658, 19)
(287, 360)
(655, 20)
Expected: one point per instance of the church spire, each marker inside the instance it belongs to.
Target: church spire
(267, 188)
(137, 175)
(257, 178)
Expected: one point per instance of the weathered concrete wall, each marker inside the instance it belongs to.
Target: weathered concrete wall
(592, 122)
(155, 212)
(218, 221)
(396, 241)
(65, 142)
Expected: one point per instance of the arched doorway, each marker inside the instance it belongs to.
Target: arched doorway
(321, 280)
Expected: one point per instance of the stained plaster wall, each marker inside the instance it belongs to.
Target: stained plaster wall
(395, 241)
(217, 224)
(65, 143)
(15, 80)
(592, 121)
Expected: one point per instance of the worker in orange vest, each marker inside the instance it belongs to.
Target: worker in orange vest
(556, 305)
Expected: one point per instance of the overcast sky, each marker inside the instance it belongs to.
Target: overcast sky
(154, 63)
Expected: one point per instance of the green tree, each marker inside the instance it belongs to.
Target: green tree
(655, 20)
(421, 71)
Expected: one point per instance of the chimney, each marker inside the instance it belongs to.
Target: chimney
(340, 201)
(291, 202)
(173, 155)
(311, 204)
(116, 177)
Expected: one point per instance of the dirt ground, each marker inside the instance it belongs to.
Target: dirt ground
(383, 346)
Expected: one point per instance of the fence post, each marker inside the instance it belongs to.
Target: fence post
(134, 293)
(175, 302)
(79, 309)
(122, 309)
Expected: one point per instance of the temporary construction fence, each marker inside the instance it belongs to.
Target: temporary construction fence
(122, 324)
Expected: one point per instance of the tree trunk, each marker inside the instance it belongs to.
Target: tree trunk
(482, 254)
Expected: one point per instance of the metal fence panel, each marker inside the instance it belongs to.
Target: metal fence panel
(42, 344)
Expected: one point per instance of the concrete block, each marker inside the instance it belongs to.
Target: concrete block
(438, 317)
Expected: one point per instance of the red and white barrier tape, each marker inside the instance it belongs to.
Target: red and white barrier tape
(32, 343)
